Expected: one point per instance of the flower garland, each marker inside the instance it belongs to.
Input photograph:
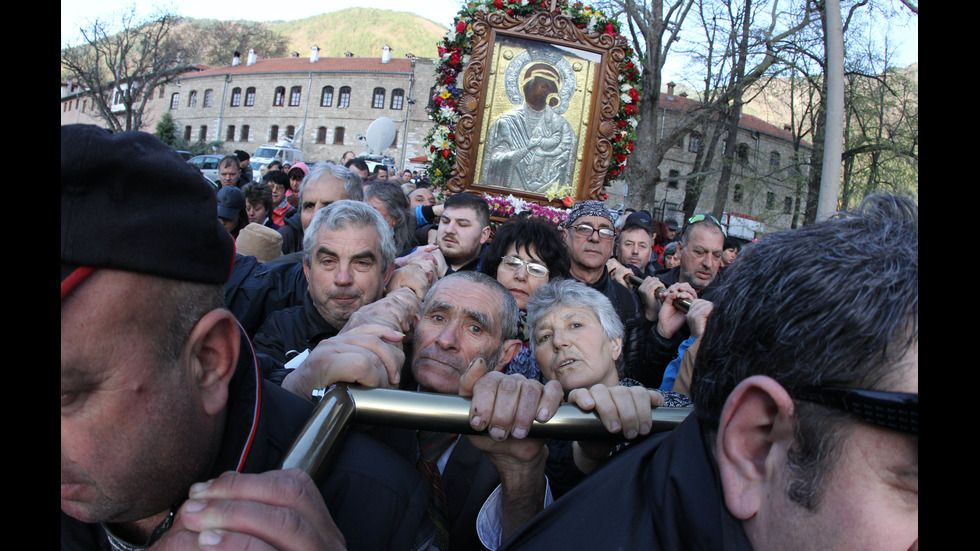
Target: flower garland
(454, 54)
(510, 207)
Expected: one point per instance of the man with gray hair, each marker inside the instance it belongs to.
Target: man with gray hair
(325, 183)
(348, 258)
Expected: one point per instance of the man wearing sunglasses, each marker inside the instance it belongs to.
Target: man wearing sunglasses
(805, 429)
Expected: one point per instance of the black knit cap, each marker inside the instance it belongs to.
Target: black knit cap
(130, 202)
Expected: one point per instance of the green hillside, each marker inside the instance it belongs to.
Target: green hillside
(363, 32)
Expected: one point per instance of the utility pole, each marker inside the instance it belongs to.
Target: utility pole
(834, 135)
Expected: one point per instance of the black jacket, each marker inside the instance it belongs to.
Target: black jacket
(376, 498)
(635, 324)
(662, 493)
(292, 232)
(290, 331)
(256, 290)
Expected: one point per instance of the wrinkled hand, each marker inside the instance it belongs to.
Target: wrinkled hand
(697, 316)
(418, 275)
(670, 318)
(617, 272)
(648, 295)
(268, 511)
(369, 354)
(621, 409)
(426, 251)
(396, 310)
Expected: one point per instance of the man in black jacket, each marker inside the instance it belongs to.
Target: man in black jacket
(805, 429)
(168, 434)
(348, 259)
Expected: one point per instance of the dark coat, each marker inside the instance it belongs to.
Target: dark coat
(365, 483)
(662, 493)
(292, 233)
(256, 290)
(290, 331)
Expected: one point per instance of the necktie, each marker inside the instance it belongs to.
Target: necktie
(431, 447)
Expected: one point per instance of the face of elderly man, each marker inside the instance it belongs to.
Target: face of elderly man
(571, 347)
(460, 321)
(700, 256)
(592, 251)
(319, 193)
(345, 272)
(421, 196)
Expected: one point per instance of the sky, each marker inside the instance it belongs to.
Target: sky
(75, 13)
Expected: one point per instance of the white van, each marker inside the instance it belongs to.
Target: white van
(267, 153)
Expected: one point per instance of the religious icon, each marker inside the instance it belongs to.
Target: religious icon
(532, 147)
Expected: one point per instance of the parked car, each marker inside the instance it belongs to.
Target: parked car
(185, 154)
(208, 165)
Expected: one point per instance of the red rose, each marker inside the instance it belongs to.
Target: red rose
(499, 4)
(445, 153)
(461, 26)
(432, 148)
(510, 11)
(620, 158)
(631, 109)
(609, 29)
(634, 95)
(451, 137)
(629, 146)
(568, 202)
(605, 196)
(621, 124)
(580, 25)
(454, 59)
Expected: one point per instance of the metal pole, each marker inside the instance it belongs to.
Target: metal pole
(834, 135)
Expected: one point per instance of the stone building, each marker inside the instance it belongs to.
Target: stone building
(766, 188)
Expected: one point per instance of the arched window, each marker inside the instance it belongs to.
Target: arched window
(230, 136)
(326, 96)
(294, 95)
(290, 132)
(379, 98)
(321, 134)
(250, 96)
(244, 134)
(774, 159)
(274, 133)
(203, 135)
(694, 143)
(208, 97)
(343, 101)
(279, 96)
(175, 100)
(192, 99)
(236, 97)
(338, 135)
(397, 98)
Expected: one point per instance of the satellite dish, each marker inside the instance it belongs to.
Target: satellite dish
(380, 135)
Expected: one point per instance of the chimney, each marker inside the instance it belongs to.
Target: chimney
(294, 54)
(314, 54)
(787, 128)
(348, 54)
(670, 90)
(386, 54)
(251, 57)
(236, 59)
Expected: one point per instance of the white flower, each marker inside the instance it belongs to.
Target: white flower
(626, 98)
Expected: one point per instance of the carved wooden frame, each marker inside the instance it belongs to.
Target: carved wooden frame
(559, 30)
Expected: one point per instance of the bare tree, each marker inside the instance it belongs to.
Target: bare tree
(212, 42)
(120, 63)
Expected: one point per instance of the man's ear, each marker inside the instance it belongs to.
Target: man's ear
(754, 433)
(509, 349)
(484, 234)
(213, 348)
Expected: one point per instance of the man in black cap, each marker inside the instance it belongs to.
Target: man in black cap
(167, 431)
(245, 165)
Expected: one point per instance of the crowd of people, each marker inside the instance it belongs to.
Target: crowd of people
(200, 329)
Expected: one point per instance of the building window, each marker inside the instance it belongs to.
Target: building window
(208, 97)
(321, 134)
(379, 98)
(338, 135)
(230, 136)
(290, 132)
(694, 143)
(250, 96)
(343, 101)
(397, 98)
(274, 133)
(774, 159)
(236, 97)
(788, 205)
(203, 134)
(742, 151)
(187, 133)
(770, 200)
(244, 134)
(175, 100)
(161, 92)
(672, 179)
(192, 99)
(294, 95)
(737, 193)
(326, 96)
(279, 96)
(680, 143)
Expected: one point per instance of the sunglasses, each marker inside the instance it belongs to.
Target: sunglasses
(701, 217)
(893, 410)
(515, 264)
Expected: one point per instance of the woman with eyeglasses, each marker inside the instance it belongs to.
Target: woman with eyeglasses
(524, 254)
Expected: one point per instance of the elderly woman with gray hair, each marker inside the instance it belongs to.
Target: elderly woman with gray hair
(577, 339)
